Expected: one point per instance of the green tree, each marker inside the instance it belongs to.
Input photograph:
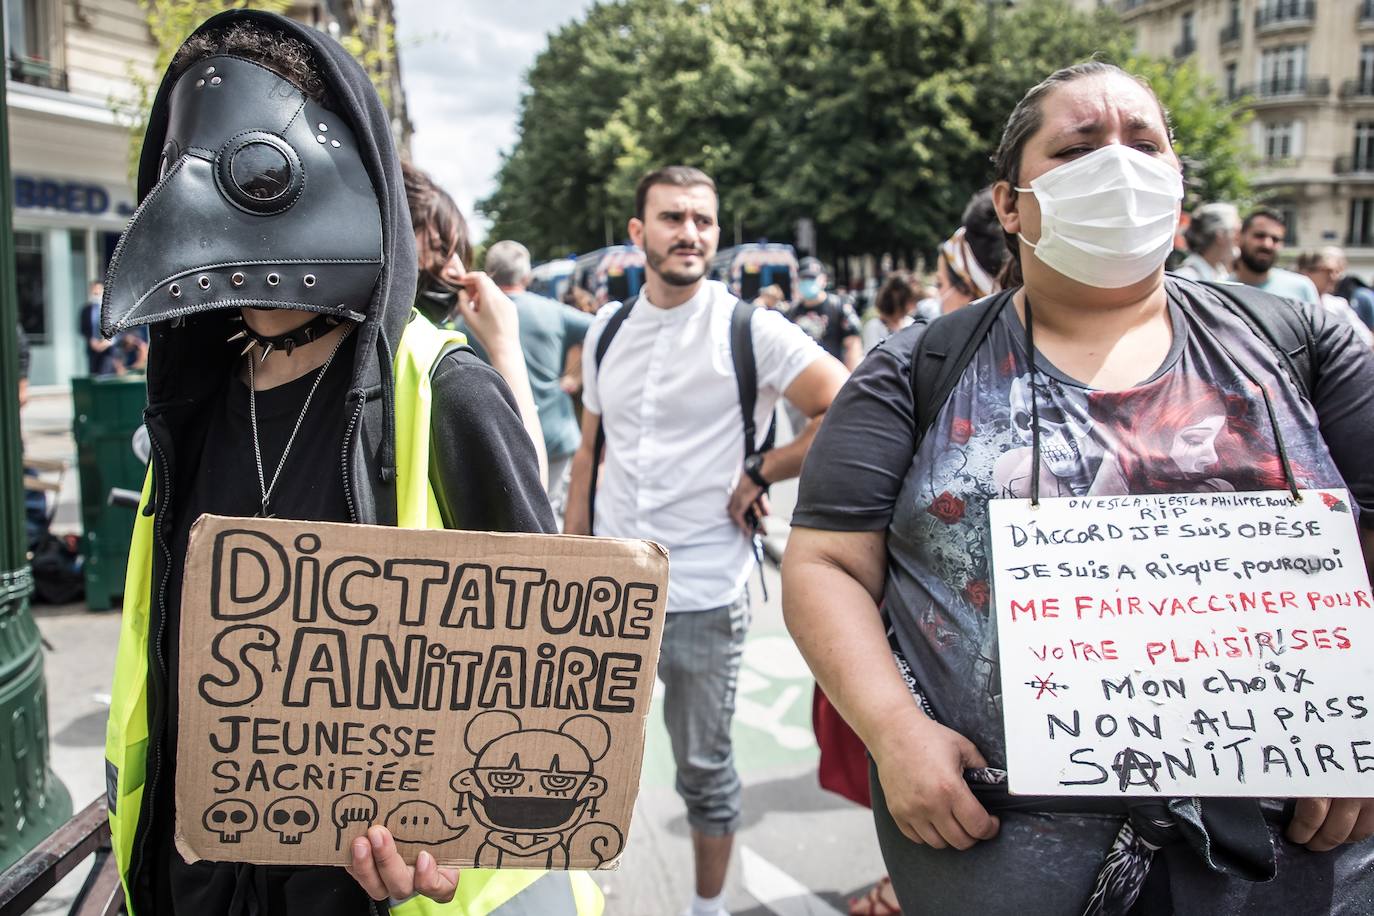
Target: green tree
(1209, 132)
(874, 118)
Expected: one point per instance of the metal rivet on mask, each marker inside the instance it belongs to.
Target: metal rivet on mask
(175, 290)
(216, 80)
(324, 128)
(200, 84)
(237, 279)
(319, 138)
(334, 143)
(209, 71)
(309, 279)
(203, 282)
(273, 279)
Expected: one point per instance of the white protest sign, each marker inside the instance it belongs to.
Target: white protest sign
(1189, 644)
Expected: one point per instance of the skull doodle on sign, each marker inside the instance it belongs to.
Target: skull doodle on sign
(291, 818)
(230, 818)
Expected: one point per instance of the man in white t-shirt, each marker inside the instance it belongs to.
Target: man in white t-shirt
(674, 471)
(1262, 236)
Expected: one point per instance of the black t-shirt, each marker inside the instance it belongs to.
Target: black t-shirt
(225, 482)
(828, 323)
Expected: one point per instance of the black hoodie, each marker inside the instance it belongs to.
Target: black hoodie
(483, 465)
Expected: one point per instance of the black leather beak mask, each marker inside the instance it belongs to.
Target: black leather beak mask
(262, 200)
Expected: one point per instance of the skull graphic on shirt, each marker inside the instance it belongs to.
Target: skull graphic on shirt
(1065, 424)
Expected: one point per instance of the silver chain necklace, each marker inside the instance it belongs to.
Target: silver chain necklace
(263, 487)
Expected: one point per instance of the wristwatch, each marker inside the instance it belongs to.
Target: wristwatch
(753, 466)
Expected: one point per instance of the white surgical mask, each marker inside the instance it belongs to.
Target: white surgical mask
(1108, 218)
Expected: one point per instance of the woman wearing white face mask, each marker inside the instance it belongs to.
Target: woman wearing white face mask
(1052, 400)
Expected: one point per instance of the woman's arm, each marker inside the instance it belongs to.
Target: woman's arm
(831, 584)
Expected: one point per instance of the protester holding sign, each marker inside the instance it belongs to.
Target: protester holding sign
(273, 257)
(1055, 387)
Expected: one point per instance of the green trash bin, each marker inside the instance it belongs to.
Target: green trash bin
(107, 412)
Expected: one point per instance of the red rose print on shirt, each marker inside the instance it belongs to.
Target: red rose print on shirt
(947, 507)
(960, 431)
(976, 592)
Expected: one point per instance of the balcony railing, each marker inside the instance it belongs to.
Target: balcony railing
(1230, 33)
(1288, 87)
(1362, 164)
(1275, 14)
(1362, 89)
(1185, 47)
(36, 72)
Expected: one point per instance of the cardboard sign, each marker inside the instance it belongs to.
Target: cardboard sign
(1191, 644)
(483, 696)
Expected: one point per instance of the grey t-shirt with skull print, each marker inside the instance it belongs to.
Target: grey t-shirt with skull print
(1194, 424)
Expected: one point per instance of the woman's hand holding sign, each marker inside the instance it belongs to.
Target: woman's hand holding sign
(379, 868)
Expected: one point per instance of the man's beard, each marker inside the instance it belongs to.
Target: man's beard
(675, 277)
(1254, 262)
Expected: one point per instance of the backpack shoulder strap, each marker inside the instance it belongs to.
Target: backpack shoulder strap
(943, 350)
(746, 370)
(603, 344)
(1279, 322)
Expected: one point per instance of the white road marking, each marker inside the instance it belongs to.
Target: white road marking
(778, 891)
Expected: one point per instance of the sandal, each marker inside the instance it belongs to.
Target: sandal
(881, 900)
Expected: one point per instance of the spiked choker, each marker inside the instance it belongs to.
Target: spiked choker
(307, 333)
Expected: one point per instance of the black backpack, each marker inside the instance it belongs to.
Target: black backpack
(746, 380)
(947, 344)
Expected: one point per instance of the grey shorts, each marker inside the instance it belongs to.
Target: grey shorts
(699, 668)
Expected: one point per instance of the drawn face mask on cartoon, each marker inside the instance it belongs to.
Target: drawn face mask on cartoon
(1064, 423)
(532, 780)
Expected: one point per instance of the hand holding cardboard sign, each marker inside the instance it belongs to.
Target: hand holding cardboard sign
(379, 868)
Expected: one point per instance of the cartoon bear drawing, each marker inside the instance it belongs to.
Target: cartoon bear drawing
(534, 792)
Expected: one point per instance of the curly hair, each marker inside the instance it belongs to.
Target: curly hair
(290, 58)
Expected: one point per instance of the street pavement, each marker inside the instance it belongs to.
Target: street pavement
(800, 851)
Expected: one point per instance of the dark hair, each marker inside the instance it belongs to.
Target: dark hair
(679, 176)
(1026, 118)
(290, 58)
(984, 234)
(432, 210)
(1263, 213)
(894, 294)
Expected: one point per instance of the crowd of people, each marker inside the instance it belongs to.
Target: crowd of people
(415, 390)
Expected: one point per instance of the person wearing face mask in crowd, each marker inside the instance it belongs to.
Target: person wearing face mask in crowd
(1211, 238)
(895, 302)
(825, 317)
(1262, 235)
(451, 296)
(1088, 189)
(970, 259)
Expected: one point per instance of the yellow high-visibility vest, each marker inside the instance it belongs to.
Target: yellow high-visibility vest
(480, 891)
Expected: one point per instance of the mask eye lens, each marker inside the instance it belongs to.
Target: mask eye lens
(260, 171)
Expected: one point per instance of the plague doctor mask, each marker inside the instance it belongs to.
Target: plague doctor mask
(262, 201)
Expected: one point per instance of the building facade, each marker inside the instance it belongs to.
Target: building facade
(70, 67)
(1305, 69)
